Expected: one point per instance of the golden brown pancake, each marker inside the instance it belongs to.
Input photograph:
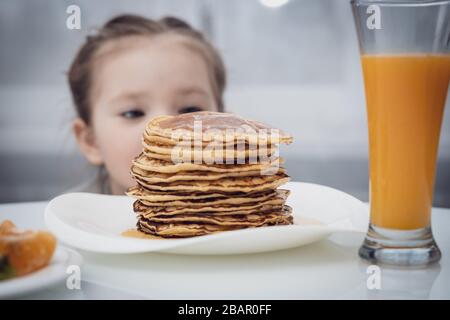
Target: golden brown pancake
(237, 199)
(207, 159)
(229, 127)
(252, 219)
(210, 154)
(190, 229)
(149, 138)
(146, 211)
(157, 177)
(225, 185)
(151, 164)
(155, 195)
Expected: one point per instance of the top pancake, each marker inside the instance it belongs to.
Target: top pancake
(215, 126)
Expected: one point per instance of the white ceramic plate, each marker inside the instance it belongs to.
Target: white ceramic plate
(52, 274)
(95, 222)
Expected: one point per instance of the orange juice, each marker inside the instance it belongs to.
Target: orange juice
(405, 97)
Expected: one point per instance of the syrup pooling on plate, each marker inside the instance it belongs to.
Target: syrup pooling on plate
(133, 233)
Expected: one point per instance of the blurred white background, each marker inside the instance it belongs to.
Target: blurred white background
(294, 66)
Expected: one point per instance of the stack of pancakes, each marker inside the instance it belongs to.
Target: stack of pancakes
(222, 175)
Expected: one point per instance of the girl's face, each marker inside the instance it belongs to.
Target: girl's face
(135, 79)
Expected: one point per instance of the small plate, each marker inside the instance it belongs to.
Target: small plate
(95, 223)
(48, 276)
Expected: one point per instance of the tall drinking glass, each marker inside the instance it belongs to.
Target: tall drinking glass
(405, 59)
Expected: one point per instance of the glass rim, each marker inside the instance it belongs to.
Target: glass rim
(400, 3)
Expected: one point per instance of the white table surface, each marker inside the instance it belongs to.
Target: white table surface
(329, 269)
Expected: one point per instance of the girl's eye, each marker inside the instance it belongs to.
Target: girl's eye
(189, 109)
(132, 114)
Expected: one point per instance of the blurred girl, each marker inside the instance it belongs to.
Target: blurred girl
(132, 70)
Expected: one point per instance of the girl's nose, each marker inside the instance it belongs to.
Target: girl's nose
(160, 110)
(156, 111)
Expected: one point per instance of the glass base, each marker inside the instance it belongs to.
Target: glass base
(400, 247)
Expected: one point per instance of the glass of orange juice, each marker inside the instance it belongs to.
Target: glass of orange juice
(405, 56)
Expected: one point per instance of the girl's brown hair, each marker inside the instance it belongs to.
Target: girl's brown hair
(80, 73)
